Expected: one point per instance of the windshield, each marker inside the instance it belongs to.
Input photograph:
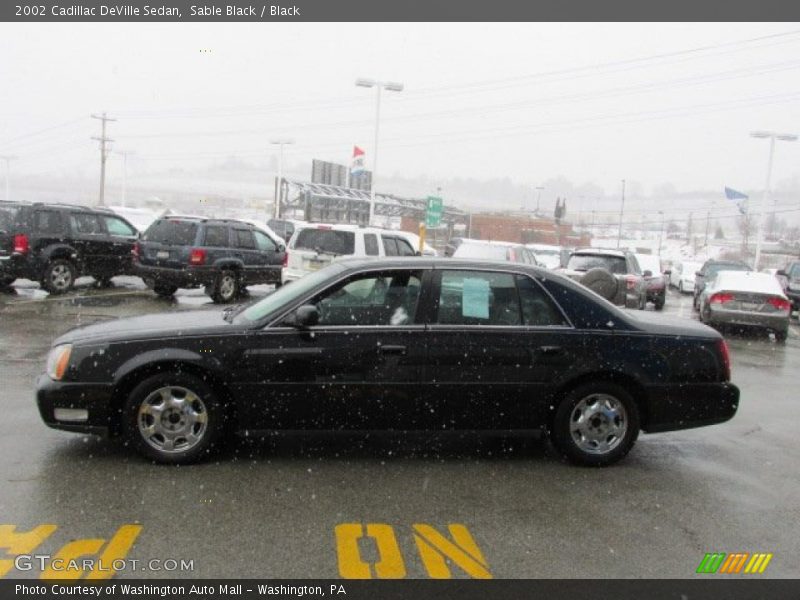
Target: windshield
(287, 294)
(171, 231)
(330, 241)
(584, 262)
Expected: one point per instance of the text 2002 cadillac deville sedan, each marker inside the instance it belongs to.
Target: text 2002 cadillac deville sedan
(405, 344)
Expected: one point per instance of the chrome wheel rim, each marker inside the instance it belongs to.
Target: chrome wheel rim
(61, 277)
(598, 423)
(172, 419)
(227, 286)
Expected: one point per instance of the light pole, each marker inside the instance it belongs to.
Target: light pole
(538, 189)
(281, 142)
(8, 158)
(389, 86)
(621, 209)
(772, 136)
(124, 154)
(660, 232)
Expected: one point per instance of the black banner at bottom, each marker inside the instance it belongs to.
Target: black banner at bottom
(507, 589)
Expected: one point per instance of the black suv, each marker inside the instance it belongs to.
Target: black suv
(57, 243)
(223, 255)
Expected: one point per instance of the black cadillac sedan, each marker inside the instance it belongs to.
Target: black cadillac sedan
(403, 344)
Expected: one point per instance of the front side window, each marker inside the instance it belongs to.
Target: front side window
(264, 243)
(372, 299)
(478, 298)
(116, 226)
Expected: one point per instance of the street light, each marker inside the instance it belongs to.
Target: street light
(772, 136)
(621, 209)
(660, 232)
(389, 86)
(279, 181)
(8, 158)
(538, 189)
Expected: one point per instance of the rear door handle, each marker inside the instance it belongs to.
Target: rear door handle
(392, 349)
(550, 350)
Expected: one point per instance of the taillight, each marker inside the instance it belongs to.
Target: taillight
(197, 256)
(721, 298)
(722, 345)
(286, 259)
(21, 244)
(780, 303)
(136, 251)
(630, 281)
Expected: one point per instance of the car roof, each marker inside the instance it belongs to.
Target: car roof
(601, 251)
(438, 262)
(748, 281)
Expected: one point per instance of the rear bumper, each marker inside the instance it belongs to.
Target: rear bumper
(183, 278)
(720, 316)
(93, 398)
(691, 405)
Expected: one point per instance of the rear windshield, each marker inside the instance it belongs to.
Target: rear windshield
(584, 262)
(717, 267)
(171, 231)
(326, 240)
(7, 216)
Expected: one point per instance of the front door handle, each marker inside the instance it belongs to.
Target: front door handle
(392, 349)
(550, 350)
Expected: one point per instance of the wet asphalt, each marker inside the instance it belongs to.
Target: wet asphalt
(270, 508)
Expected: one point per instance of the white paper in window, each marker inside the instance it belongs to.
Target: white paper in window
(475, 298)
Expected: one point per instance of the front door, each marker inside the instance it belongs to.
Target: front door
(122, 237)
(359, 368)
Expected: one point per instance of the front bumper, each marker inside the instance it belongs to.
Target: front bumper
(94, 398)
(685, 406)
(189, 277)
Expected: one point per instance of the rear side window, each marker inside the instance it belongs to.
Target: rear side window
(538, 309)
(86, 224)
(584, 262)
(216, 236)
(329, 241)
(389, 246)
(243, 238)
(172, 231)
(371, 244)
(48, 221)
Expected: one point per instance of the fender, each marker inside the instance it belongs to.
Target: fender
(60, 251)
(227, 263)
(166, 355)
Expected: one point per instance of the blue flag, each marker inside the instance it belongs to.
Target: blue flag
(732, 194)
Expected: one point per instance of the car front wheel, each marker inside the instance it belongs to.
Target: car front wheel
(596, 424)
(173, 418)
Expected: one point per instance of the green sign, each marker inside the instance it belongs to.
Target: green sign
(433, 216)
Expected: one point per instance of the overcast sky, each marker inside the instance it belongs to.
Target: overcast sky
(480, 100)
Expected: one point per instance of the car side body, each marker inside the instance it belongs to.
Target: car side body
(440, 344)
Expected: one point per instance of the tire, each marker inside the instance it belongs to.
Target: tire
(659, 302)
(163, 427)
(59, 276)
(586, 444)
(781, 335)
(226, 287)
(602, 282)
(5, 284)
(165, 291)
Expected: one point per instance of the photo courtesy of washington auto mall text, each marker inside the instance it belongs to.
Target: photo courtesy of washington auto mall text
(399, 300)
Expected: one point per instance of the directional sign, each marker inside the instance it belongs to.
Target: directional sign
(433, 216)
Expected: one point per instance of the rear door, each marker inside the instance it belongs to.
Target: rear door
(244, 248)
(89, 238)
(122, 236)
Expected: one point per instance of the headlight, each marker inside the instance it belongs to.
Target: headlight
(58, 360)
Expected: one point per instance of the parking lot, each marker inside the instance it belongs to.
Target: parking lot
(328, 506)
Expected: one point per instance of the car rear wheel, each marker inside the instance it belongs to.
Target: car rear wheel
(659, 302)
(59, 276)
(781, 335)
(165, 291)
(226, 287)
(173, 418)
(596, 424)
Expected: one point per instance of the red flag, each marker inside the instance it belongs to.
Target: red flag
(357, 151)
(357, 168)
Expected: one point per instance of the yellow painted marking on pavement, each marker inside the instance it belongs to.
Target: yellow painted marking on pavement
(117, 548)
(72, 551)
(351, 566)
(21, 543)
(758, 563)
(763, 567)
(463, 551)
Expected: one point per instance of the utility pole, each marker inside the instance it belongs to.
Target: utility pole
(104, 149)
(8, 158)
(539, 189)
(621, 210)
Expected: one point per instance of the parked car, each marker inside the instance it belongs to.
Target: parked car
(709, 269)
(746, 298)
(413, 239)
(682, 275)
(486, 250)
(547, 255)
(285, 227)
(791, 276)
(402, 344)
(452, 245)
(55, 244)
(614, 274)
(314, 246)
(224, 255)
(656, 281)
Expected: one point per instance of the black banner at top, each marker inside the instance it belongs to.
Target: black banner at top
(398, 10)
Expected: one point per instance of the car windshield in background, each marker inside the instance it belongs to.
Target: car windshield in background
(584, 262)
(329, 241)
(171, 231)
(287, 294)
(481, 251)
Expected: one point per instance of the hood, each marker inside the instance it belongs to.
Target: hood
(660, 324)
(165, 324)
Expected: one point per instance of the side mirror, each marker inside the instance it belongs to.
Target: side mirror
(306, 316)
(648, 273)
(417, 253)
(668, 272)
(281, 248)
(782, 273)
(698, 274)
